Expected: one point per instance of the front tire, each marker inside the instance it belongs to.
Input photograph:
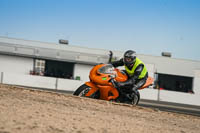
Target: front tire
(83, 90)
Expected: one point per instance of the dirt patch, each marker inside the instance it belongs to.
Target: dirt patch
(32, 111)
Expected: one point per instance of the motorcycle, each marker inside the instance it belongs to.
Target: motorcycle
(102, 85)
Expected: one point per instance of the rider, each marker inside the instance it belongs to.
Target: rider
(135, 70)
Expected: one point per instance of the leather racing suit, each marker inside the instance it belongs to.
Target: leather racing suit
(137, 75)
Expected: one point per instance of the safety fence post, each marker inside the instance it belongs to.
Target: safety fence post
(56, 85)
(1, 77)
(158, 98)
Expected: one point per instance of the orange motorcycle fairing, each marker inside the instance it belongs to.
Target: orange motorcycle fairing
(92, 90)
(106, 92)
(102, 78)
(98, 78)
(120, 76)
(148, 83)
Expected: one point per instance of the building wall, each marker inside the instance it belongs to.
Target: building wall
(54, 46)
(172, 66)
(16, 69)
(196, 82)
(82, 71)
(15, 64)
(52, 51)
(167, 65)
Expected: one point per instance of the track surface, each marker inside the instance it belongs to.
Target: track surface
(171, 107)
(25, 110)
(157, 105)
(160, 105)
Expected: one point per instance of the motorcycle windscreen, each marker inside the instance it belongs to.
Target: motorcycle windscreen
(107, 69)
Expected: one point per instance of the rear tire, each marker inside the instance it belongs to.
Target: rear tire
(136, 98)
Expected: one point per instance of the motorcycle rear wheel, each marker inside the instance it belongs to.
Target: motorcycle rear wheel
(136, 98)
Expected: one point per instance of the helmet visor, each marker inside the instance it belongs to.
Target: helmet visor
(129, 59)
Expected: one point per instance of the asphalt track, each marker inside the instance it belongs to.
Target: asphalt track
(171, 107)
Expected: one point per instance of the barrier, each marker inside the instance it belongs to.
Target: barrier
(179, 97)
(30, 81)
(1, 77)
(69, 84)
(149, 93)
(72, 85)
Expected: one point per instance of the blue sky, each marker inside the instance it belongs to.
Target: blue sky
(146, 26)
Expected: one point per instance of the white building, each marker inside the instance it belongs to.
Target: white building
(21, 60)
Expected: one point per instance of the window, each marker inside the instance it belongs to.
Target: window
(51, 68)
(39, 67)
(175, 82)
(59, 69)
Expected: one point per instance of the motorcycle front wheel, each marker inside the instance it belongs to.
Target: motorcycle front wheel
(83, 90)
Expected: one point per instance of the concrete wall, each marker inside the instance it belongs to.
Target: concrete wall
(72, 85)
(41, 82)
(170, 96)
(29, 80)
(69, 85)
(14, 64)
(149, 93)
(178, 97)
(151, 69)
(196, 82)
(83, 71)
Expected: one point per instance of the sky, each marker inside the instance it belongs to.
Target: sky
(148, 27)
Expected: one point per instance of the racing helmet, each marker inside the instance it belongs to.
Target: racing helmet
(129, 58)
